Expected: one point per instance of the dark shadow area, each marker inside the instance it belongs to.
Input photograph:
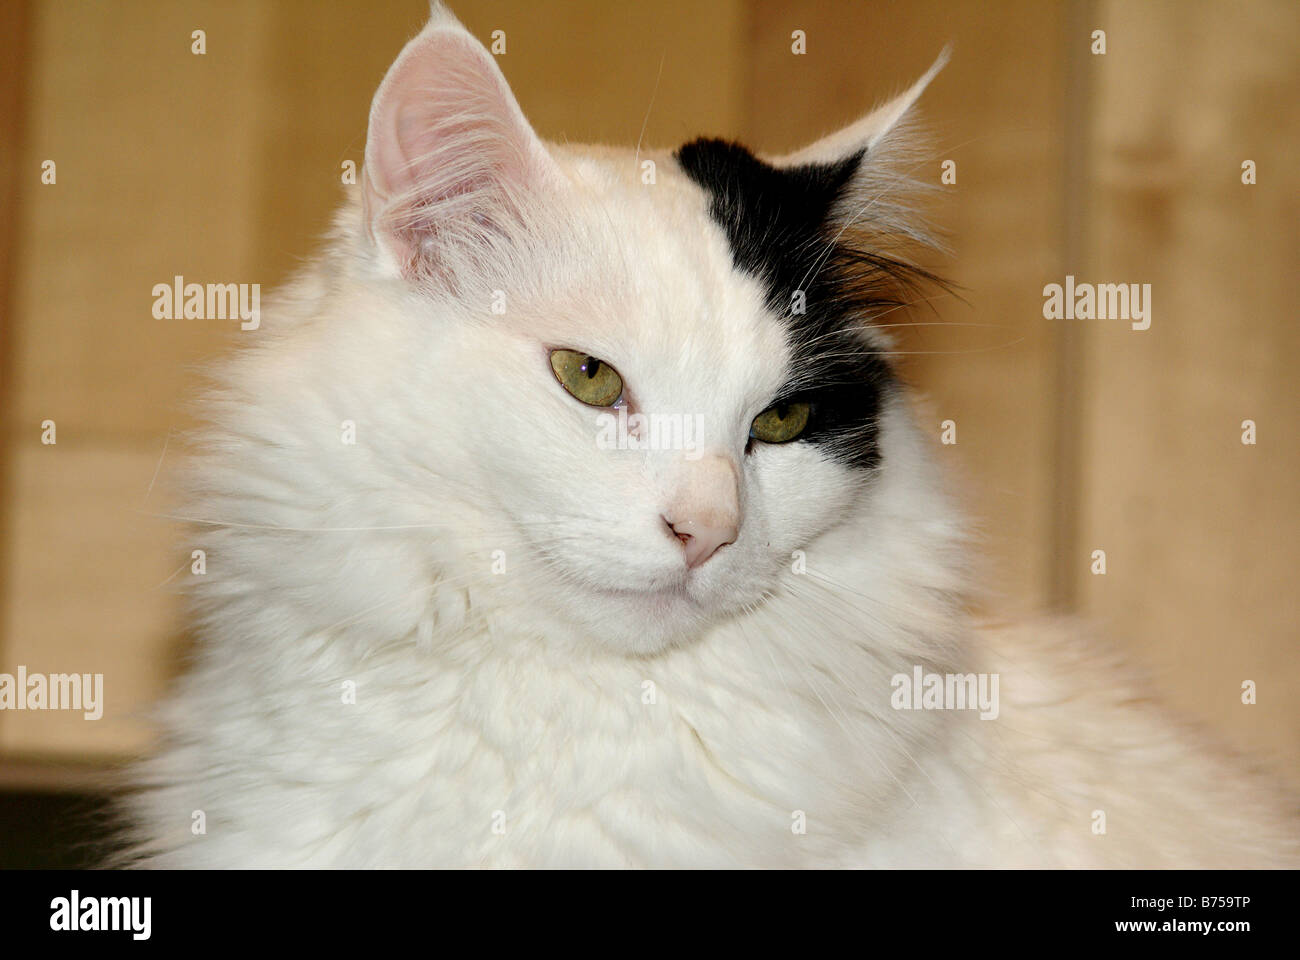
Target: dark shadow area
(52, 831)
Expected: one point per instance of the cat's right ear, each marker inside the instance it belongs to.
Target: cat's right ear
(449, 155)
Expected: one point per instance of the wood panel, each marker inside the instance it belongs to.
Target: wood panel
(15, 21)
(152, 151)
(1200, 531)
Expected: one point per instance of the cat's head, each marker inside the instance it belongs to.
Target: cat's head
(619, 388)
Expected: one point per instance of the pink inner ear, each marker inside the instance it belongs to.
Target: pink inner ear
(448, 151)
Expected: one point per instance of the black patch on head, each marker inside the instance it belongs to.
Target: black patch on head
(777, 222)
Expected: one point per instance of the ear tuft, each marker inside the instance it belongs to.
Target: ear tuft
(441, 16)
(871, 130)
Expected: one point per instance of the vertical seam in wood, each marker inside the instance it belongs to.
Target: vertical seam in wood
(1064, 520)
(15, 48)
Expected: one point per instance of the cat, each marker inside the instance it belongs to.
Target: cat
(444, 625)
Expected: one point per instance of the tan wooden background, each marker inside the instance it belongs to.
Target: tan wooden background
(1072, 436)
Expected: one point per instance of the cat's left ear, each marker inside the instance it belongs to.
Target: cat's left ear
(449, 155)
(879, 139)
(871, 131)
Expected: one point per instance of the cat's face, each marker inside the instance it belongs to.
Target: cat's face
(641, 504)
(632, 384)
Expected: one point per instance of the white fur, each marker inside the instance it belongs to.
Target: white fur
(522, 699)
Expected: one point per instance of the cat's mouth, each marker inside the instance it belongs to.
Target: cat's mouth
(696, 592)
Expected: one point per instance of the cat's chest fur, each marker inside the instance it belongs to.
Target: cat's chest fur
(738, 750)
(730, 752)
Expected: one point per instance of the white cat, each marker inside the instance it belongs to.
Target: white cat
(444, 624)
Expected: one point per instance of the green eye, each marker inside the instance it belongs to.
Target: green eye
(591, 380)
(780, 423)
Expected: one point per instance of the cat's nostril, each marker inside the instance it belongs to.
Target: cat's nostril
(681, 535)
(701, 540)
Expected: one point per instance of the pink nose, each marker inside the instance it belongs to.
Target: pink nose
(702, 540)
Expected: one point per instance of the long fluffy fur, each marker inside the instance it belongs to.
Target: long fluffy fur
(539, 717)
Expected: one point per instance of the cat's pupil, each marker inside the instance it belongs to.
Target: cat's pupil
(781, 410)
(592, 366)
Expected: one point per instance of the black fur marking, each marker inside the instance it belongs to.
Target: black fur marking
(777, 223)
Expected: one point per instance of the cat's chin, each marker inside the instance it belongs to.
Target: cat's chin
(647, 622)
